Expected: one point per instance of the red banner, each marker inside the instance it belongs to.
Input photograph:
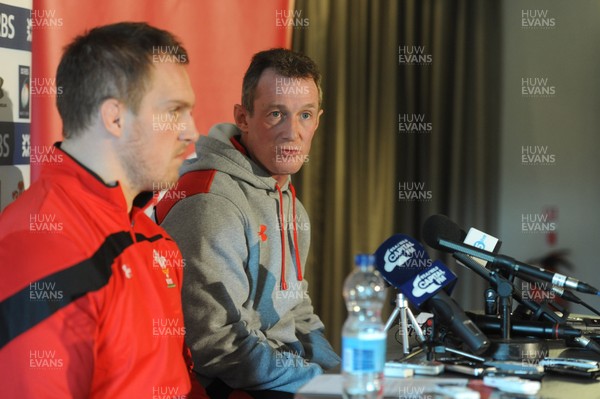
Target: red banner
(220, 36)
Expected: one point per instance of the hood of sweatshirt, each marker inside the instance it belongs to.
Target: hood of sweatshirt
(221, 150)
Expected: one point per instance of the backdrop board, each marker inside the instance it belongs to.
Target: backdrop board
(15, 95)
(220, 36)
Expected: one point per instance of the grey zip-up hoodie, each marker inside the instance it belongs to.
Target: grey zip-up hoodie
(248, 317)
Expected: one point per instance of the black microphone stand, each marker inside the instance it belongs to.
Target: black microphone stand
(504, 290)
(541, 311)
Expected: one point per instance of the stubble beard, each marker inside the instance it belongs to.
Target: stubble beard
(139, 168)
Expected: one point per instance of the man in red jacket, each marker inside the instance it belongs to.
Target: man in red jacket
(90, 291)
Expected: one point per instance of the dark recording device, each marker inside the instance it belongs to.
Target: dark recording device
(572, 367)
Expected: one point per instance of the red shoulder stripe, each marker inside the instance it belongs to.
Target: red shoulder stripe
(191, 183)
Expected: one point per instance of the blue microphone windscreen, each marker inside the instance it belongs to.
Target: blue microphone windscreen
(399, 258)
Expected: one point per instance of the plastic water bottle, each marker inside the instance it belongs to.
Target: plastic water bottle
(363, 335)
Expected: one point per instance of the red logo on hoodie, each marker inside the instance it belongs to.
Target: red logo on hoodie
(261, 233)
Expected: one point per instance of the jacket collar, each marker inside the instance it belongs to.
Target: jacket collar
(111, 195)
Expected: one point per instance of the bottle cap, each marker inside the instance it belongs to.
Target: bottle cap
(364, 260)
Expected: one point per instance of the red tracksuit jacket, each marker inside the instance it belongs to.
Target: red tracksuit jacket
(89, 294)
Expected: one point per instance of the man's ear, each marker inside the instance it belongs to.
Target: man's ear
(319, 117)
(112, 113)
(240, 115)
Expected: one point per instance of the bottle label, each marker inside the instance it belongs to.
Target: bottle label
(365, 353)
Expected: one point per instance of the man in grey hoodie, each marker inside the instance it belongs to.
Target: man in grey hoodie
(245, 237)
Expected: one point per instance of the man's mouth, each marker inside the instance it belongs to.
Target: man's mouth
(289, 150)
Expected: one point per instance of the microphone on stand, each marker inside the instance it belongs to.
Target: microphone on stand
(404, 263)
(526, 328)
(538, 310)
(441, 233)
(569, 296)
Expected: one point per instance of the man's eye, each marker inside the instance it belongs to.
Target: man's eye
(276, 114)
(305, 115)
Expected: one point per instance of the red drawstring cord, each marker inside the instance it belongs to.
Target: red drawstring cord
(295, 233)
(296, 250)
(282, 229)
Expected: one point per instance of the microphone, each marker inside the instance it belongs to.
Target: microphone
(400, 257)
(528, 328)
(485, 241)
(589, 326)
(404, 264)
(566, 294)
(441, 233)
(539, 310)
(569, 296)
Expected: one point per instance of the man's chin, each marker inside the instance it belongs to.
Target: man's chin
(166, 183)
(291, 170)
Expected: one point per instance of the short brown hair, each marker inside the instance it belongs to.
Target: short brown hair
(286, 63)
(111, 61)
